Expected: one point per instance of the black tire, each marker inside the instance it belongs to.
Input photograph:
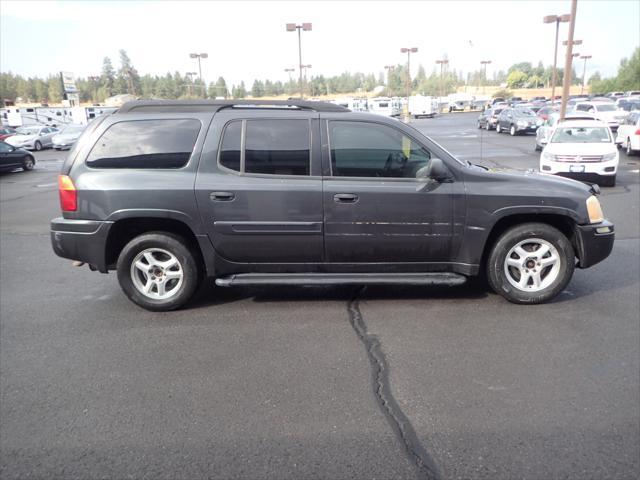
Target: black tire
(487, 126)
(497, 257)
(37, 146)
(28, 163)
(538, 147)
(608, 181)
(479, 126)
(498, 128)
(513, 131)
(628, 149)
(177, 246)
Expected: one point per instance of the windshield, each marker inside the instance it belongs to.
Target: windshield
(606, 108)
(581, 135)
(28, 130)
(72, 129)
(524, 112)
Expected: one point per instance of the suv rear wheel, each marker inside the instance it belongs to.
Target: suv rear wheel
(158, 271)
(498, 128)
(531, 263)
(513, 131)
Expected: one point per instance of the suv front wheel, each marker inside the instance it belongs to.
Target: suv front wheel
(530, 263)
(158, 271)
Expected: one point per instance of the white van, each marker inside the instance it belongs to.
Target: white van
(422, 106)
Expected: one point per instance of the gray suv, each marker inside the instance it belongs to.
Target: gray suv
(292, 192)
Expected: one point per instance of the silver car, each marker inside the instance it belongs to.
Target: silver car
(67, 137)
(33, 137)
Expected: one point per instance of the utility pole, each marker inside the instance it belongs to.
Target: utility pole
(292, 27)
(483, 63)
(199, 56)
(408, 51)
(557, 19)
(566, 81)
(584, 72)
(442, 63)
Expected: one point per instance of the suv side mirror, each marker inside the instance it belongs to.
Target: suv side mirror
(438, 171)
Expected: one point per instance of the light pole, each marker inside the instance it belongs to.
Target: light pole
(484, 64)
(200, 56)
(557, 19)
(292, 27)
(190, 84)
(584, 72)
(389, 69)
(442, 63)
(408, 51)
(566, 81)
(305, 67)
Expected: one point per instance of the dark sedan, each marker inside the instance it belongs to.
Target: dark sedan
(489, 118)
(517, 120)
(12, 158)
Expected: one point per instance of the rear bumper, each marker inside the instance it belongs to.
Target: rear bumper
(83, 240)
(594, 242)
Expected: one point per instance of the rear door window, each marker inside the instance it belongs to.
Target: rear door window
(277, 147)
(145, 144)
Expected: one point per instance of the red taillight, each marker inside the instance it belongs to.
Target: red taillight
(68, 194)
(637, 132)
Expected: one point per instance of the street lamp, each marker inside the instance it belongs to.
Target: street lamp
(200, 56)
(566, 80)
(190, 85)
(557, 19)
(442, 63)
(292, 27)
(584, 72)
(484, 64)
(408, 51)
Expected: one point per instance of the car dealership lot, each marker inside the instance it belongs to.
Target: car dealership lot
(382, 382)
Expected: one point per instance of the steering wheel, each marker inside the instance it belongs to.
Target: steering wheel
(395, 161)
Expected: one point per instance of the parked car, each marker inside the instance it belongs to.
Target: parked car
(33, 137)
(542, 99)
(498, 100)
(546, 129)
(628, 104)
(544, 112)
(632, 93)
(489, 117)
(12, 158)
(65, 139)
(253, 196)
(614, 95)
(517, 120)
(6, 132)
(581, 149)
(629, 133)
(606, 112)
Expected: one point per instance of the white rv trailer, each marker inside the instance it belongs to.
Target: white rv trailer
(422, 106)
(391, 107)
(354, 104)
(51, 116)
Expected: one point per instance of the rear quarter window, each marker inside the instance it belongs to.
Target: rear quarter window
(145, 144)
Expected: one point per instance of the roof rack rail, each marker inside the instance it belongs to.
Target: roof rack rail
(158, 106)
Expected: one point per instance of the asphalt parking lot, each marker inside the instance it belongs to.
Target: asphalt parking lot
(298, 382)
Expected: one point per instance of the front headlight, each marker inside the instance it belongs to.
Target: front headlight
(594, 210)
(609, 156)
(550, 157)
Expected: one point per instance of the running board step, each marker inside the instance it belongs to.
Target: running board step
(450, 279)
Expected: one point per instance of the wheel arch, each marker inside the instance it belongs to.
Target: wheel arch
(563, 222)
(126, 228)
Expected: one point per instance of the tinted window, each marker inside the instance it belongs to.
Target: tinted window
(361, 149)
(145, 144)
(230, 148)
(277, 147)
(4, 148)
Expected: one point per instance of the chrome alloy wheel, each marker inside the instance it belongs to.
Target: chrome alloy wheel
(532, 265)
(157, 273)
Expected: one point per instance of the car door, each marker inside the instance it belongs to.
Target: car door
(378, 204)
(7, 156)
(48, 136)
(260, 191)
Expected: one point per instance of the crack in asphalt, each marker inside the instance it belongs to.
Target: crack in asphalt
(420, 459)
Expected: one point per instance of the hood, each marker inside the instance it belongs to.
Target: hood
(66, 137)
(21, 138)
(580, 148)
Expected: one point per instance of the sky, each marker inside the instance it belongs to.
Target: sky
(246, 40)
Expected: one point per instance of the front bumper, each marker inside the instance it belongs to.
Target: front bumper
(579, 169)
(594, 242)
(83, 240)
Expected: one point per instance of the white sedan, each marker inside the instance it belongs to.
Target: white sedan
(581, 149)
(33, 137)
(629, 133)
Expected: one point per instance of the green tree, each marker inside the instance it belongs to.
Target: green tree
(516, 79)
(54, 89)
(108, 76)
(257, 90)
(128, 80)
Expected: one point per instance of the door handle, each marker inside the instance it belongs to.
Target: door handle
(221, 196)
(345, 198)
